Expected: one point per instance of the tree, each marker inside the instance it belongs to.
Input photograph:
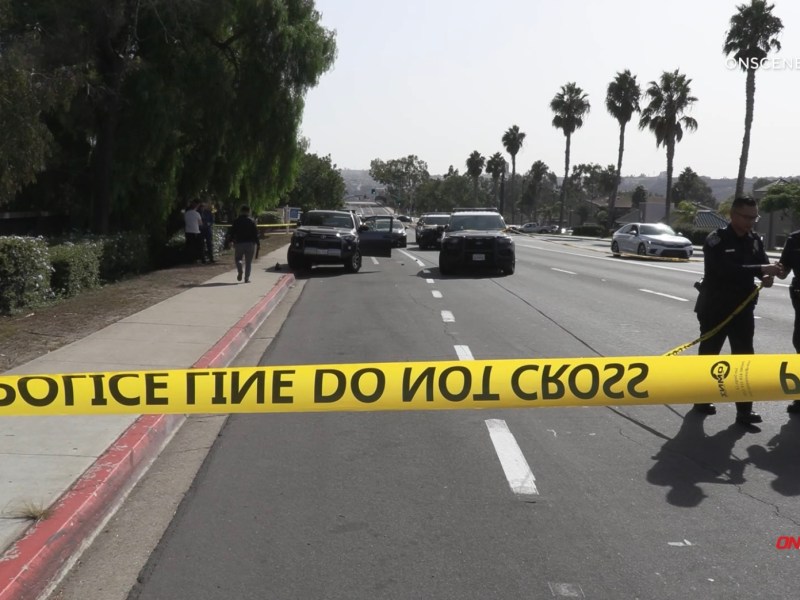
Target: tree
(495, 166)
(512, 141)
(782, 196)
(318, 184)
(669, 98)
(171, 100)
(475, 164)
(402, 176)
(569, 105)
(690, 186)
(751, 37)
(537, 177)
(622, 100)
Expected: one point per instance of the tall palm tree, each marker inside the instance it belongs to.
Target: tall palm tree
(495, 166)
(538, 173)
(622, 100)
(569, 105)
(753, 34)
(512, 141)
(669, 99)
(475, 164)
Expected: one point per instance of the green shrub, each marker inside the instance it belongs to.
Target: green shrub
(123, 254)
(24, 273)
(590, 230)
(76, 267)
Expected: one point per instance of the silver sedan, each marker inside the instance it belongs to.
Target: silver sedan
(650, 239)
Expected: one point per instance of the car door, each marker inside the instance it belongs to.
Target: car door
(625, 239)
(375, 236)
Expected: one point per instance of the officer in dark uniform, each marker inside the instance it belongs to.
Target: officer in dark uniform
(790, 260)
(733, 257)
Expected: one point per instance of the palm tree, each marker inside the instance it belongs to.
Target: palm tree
(475, 164)
(569, 106)
(750, 39)
(495, 166)
(622, 100)
(538, 173)
(512, 141)
(669, 99)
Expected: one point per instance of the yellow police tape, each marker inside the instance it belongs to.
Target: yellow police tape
(478, 384)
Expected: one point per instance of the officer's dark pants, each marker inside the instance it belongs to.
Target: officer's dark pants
(794, 294)
(739, 331)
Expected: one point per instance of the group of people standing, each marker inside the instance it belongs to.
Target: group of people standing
(734, 257)
(243, 235)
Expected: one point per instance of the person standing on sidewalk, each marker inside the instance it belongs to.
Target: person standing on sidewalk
(244, 235)
(192, 225)
(732, 258)
(207, 231)
(790, 260)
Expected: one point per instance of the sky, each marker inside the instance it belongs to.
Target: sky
(442, 78)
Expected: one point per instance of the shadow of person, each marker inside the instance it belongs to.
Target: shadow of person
(692, 458)
(781, 457)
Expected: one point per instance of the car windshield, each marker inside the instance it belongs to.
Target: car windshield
(483, 222)
(658, 229)
(437, 220)
(328, 220)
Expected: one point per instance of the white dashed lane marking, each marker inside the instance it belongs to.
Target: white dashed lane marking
(448, 317)
(436, 293)
(518, 473)
(664, 295)
(464, 353)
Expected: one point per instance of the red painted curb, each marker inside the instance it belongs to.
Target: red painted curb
(30, 565)
(237, 337)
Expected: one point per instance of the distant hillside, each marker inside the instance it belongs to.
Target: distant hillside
(359, 182)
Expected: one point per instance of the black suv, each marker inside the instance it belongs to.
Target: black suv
(429, 229)
(476, 237)
(337, 237)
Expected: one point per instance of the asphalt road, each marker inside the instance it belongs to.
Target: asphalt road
(619, 502)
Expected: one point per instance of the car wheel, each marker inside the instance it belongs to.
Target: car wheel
(296, 263)
(615, 248)
(509, 268)
(445, 268)
(641, 250)
(354, 263)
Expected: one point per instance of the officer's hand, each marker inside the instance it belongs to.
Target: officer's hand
(767, 281)
(783, 272)
(772, 270)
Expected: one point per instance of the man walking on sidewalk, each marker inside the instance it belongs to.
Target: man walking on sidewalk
(244, 235)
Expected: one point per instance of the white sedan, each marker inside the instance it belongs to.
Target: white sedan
(650, 239)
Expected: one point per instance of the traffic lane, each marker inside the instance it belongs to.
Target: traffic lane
(651, 414)
(583, 521)
(386, 311)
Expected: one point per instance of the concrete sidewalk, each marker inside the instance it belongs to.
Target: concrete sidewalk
(81, 468)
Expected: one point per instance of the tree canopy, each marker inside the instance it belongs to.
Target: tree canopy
(157, 102)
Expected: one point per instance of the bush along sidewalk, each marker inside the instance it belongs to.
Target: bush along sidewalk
(35, 271)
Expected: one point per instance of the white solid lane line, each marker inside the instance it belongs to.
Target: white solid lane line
(563, 271)
(412, 257)
(518, 473)
(374, 260)
(464, 353)
(665, 295)
(448, 317)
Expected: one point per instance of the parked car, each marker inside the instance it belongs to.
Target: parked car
(337, 237)
(476, 238)
(650, 239)
(404, 218)
(429, 229)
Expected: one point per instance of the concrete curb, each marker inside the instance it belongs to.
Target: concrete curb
(32, 566)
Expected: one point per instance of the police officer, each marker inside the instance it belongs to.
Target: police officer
(790, 260)
(732, 258)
